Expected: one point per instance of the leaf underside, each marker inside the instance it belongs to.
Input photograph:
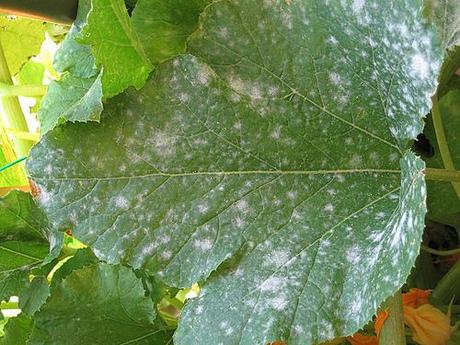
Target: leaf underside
(279, 146)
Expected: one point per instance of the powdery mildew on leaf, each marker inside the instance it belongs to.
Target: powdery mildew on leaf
(281, 145)
(71, 99)
(446, 15)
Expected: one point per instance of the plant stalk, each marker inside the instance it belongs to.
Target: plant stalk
(442, 141)
(392, 332)
(442, 175)
(447, 286)
(12, 110)
(441, 252)
(22, 90)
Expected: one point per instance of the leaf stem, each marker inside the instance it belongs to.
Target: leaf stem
(23, 135)
(447, 286)
(22, 90)
(12, 109)
(392, 332)
(442, 175)
(440, 252)
(442, 141)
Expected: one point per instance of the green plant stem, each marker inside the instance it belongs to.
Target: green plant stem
(22, 90)
(447, 286)
(12, 110)
(392, 332)
(442, 175)
(442, 142)
(440, 252)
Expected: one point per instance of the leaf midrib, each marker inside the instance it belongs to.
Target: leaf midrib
(225, 173)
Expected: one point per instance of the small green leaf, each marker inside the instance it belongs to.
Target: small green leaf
(17, 330)
(25, 240)
(105, 304)
(34, 295)
(164, 25)
(21, 38)
(72, 99)
(119, 49)
(82, 258)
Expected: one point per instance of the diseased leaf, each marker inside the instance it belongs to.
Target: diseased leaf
(77, 96)
(164, 25)
(446, 16)
(106, 304)
(291, 164)
(119, 49)
(72, 99)
(73, 56)
(443, 202)
(24, 237)
(21, 38)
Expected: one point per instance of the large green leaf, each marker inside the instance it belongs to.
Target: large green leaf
(283, 147)
(443, 202)
(116, 46)
(105, 304)
(25, 239)
(21, 38)
(71, 99)
(164, 25)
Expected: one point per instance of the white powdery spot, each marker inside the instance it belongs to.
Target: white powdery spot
(279, 302)
(420, 66)
(204, 245)
(273, 284)
(166, 255)
(44, 197)
(329, 208)
(48, 169)
(357, 6)
(335, 78)
(164, 144)
(353, 256)
(121, 202)
(242, 206)
(276, 258)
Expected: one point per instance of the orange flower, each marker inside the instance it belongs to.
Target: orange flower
(361, 339)
(415, 297)
(277, 342)
(429, 325)
(378, 324)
